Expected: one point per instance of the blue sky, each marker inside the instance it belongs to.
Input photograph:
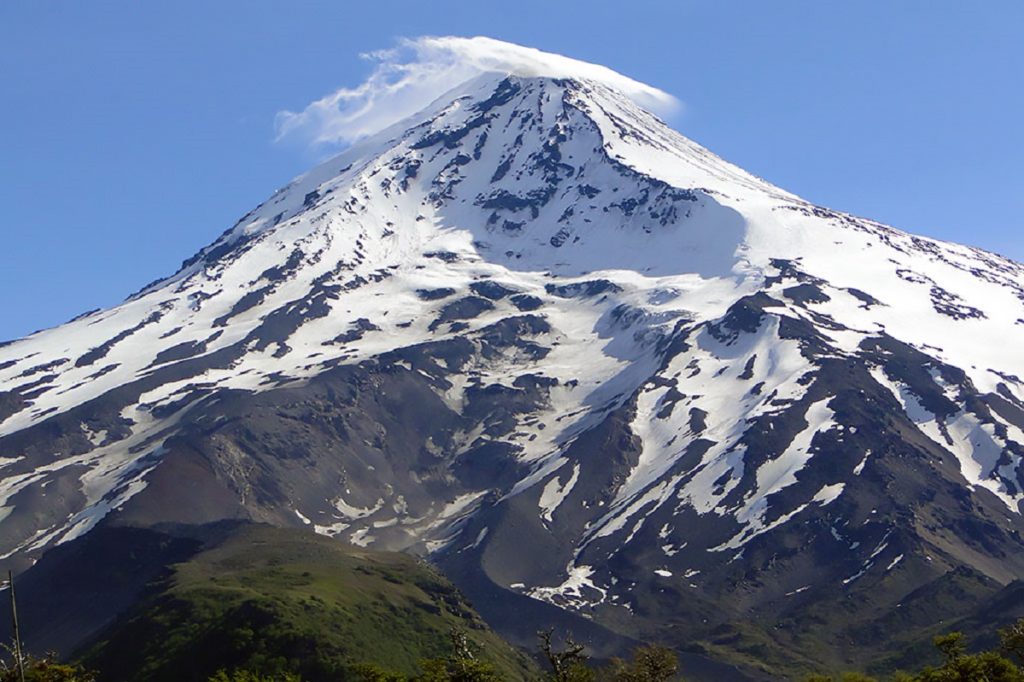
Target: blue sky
(131, 134)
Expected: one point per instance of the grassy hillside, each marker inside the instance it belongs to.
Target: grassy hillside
(277, 600)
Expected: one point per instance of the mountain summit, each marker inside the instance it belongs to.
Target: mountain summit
(577, 360)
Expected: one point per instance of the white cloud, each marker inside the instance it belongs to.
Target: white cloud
(410, 76)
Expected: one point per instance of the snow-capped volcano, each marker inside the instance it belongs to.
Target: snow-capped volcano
(534, 317)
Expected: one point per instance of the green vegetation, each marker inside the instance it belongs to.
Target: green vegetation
(649, 664)
(958, 665)
(270, 602)
(249, 676)
(45, 670)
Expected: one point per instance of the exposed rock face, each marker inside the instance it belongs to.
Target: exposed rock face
(573, 357)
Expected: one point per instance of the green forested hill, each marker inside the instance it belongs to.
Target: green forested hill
(273, 600)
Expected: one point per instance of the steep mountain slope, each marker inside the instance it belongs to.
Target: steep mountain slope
(534, 318)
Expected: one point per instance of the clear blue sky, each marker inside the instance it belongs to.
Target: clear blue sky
(133, 133)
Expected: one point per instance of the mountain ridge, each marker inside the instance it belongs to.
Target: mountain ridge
(534, 316)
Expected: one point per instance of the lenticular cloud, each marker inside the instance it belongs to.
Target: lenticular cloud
(417, 71)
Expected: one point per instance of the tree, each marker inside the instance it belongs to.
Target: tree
(960, 666)
(1011, 640)
(45, 669)
(951, 645)
(567, 665)
(241, 675)
(649, 664)
(371, 672)
(461, 665)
